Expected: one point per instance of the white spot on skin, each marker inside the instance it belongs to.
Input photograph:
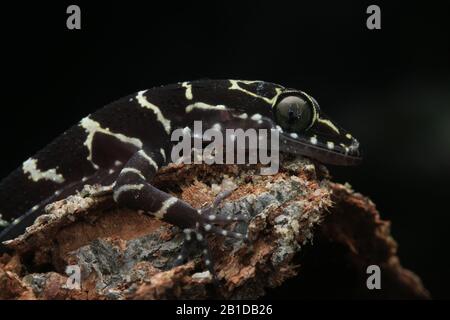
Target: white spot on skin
(132, 170)
(224, 232)
(125, 188)
(204, 106)
(164, 207)
(117, 163)
(243, 116)
(256, 117)
(212, 217)
(199, 236)
(92, 127)
(3, 223)
(205, 251)
(84, 179)
(180, 257)
(34, 208)
(30, 167)
(57, 193)
(149, 159)
(187, 234)
(111, 171)
(16, 221)
(313, 140)
(347, 149)
(188, 87)
(208, 227)
(159, 116)
(207, 262)
(330, 145)
(348, 136)
(294, 135)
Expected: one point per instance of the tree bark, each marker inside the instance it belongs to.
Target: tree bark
(309, 238)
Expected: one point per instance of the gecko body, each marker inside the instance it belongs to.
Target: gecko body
(126, 142)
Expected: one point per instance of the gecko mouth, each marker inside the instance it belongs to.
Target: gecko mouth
(326, 153)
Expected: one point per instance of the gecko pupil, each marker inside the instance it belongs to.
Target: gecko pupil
(293, 113)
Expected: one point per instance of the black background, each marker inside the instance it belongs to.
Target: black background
(389, 87)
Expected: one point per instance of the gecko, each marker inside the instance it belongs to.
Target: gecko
(126, 142)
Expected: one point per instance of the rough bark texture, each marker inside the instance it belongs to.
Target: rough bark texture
(310, 237)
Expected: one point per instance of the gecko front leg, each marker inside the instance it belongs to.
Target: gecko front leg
(133, 190)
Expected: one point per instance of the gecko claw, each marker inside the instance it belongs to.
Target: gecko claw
(208, 220)
(209, 212)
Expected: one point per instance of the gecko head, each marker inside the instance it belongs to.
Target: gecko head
(306, 130)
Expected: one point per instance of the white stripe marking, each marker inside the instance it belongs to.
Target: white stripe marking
(92, 127)
(149, 159)
(204, 106)
(188, 87)
(164, 207)
(30, 167)
(125, 188)
(329, 124)
(159, 116)
(132, 170)
(235, 86)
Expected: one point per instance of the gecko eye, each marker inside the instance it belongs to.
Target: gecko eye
(294, 114)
